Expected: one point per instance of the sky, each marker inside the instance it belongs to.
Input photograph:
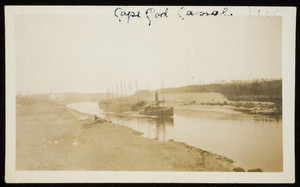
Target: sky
(91, 53)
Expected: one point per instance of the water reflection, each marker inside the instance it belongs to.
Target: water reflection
(153, 128)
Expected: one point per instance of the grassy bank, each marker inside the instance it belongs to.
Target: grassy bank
(53, 137)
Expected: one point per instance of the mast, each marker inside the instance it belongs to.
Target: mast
(148, 92)
(125, 89)
(162, 85)
(137, 91)
(106, 93)
(129, 85)
(121, 89)
(156, 98)
(117, 89)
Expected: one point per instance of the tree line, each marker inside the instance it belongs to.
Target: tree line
(263, 90)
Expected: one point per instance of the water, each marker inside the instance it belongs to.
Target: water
(251, 141)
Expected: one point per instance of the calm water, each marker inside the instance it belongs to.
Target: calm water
(251, 141)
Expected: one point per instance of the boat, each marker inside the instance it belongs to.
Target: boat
(156, 109)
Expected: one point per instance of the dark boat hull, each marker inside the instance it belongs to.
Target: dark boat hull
(157, 112)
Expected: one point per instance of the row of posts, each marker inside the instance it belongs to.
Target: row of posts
(112, 93)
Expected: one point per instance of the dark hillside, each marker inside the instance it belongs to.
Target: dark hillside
(257, 90)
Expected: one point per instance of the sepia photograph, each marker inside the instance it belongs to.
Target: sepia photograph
(165, 90)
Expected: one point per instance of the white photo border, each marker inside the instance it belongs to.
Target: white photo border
(12, 175)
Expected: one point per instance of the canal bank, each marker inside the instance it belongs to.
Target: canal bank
(52, 137)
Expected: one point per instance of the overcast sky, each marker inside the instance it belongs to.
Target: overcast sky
(78, 53)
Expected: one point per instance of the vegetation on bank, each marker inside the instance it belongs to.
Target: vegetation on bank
(256, 96)
(234, 88)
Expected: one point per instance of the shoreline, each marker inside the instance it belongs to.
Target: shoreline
(229, 109)
(97, 118)
(73, 141)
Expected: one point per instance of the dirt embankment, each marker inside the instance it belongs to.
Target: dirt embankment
(52, 137)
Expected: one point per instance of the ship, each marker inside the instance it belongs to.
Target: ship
(156, 109)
